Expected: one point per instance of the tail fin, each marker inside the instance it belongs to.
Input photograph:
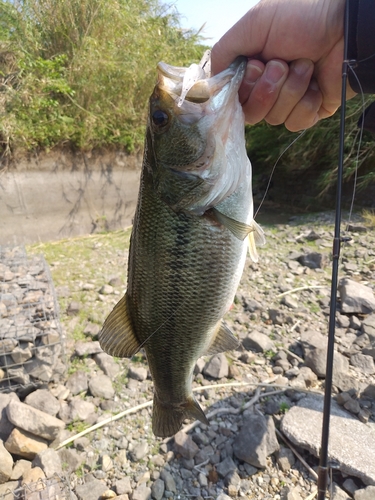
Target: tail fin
(167, 419)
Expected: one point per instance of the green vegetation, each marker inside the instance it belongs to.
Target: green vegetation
(308, 168)
(80, 73)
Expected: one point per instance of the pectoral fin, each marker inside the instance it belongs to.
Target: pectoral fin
(224, 340)
(239, 229)
(256, 237)
(117, 337)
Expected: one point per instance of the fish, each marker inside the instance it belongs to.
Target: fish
(192, 229)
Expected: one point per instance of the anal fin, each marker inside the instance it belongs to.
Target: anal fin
(117, 336)
(224, 340)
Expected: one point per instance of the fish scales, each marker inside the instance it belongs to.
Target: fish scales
(189, 238)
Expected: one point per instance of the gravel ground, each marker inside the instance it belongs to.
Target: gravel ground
(279, 299)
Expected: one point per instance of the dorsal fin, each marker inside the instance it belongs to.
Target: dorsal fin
(117, 336)
(224, 340)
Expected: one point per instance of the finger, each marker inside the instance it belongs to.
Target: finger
(254, 71)
(265, 91)
(306, 113)
(294, 88)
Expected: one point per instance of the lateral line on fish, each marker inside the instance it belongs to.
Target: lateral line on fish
(274, 168)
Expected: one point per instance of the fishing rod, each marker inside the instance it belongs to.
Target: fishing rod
(323, 459)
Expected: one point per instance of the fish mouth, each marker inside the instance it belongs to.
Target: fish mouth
(195, 83)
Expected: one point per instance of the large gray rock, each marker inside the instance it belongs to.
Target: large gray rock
(258, 342)
(349, 438)
(101, 386)
(364, 363)
(217, 367)
(43, 400)
(24, 444)
(313, 260)
(6, 426)
(355, 297)
(365, 493)
(34, 421)
(49, 461)
(256, 440)
(77, 382)
(107, 364)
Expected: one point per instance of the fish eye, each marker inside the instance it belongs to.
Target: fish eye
(160, 118)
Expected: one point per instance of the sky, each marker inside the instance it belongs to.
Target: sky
(219, 15)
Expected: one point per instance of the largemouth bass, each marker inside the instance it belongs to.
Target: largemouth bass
(192, 228)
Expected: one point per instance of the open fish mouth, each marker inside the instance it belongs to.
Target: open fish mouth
(195, 83)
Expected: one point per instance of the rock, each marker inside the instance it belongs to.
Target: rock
(70, 459)
(101, 386)
(73, 308)
(107, 364)
(91, 490)
(49, 461)
(137, 373)
(24, 444)
(77, 382)
(6, 426)
(91, 330)
(139, 451)
(169, 482)
(157, 489)
(79, 409)
(355, 297)
(20, 468)
(368, 327)
(258, 342)
(143, 492)
(292, 493)
(365, 493)
(254, 447)
(123, 486)
(87, 348)
(285, 459)
(33, 475)
(42, 400)
(226, 467)
(338, 493)
(34, 421)
(6, 463)
(184, 445)
(364, 363)
(350, 486)
(313, 260)
(217, 367)
(106, 290)
(302, 424)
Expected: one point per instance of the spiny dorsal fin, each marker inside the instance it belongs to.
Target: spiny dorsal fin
(256, 237)
(224, 340)
(117, 337)
(239, 229)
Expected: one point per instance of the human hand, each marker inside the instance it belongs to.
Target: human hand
(307, 34)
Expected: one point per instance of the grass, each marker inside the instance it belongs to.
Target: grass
(369, 218)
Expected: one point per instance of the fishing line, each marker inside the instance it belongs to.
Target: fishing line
(274, 167)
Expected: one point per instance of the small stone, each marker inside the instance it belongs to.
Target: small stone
(217, 367)
(157, 489)
(107, 364)
(106, 290)
(169, 482)
(87, 348)
(285, 459)
(226, 467)
(143, 492)
(258, 342)
(123, 486)
(77, 382)
(139, 451)
(20, 468)
(70, 459)
(33, 475)
(352, 406)
(185, 446)
(350, 486)
(91, 490)
(49, 461)
(137, 373)
(101, 386)
(108, 494)
(355, 297)
(73, 308)
(363, 362)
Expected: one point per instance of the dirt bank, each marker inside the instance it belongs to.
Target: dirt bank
(64, 194)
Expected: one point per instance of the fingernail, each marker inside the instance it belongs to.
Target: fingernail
(253, 73)
(274, 71)
(302, 66)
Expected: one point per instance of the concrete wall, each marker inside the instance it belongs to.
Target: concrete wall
(62, 194)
